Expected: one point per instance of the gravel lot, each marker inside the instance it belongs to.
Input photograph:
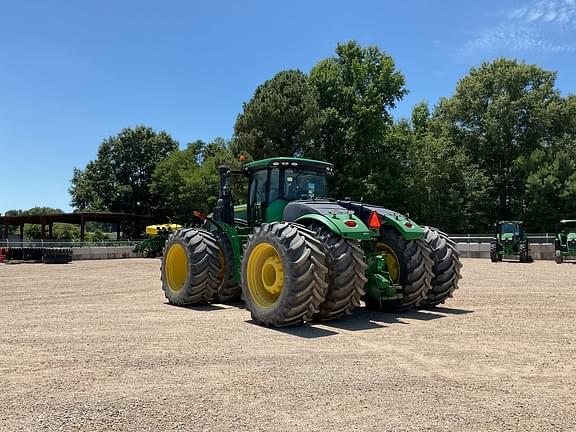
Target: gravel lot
(92, 346)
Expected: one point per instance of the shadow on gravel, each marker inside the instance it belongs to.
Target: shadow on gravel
(305, 331)
(450, 311)
(511, 261)
(366, 319)
(199, 308)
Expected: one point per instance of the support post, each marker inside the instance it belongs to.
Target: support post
(5, 233)
(43, 228)
(21, 232)
(50, 226)
(82, 228)
(118, 231)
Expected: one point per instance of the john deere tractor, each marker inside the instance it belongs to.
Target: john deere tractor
(295, 255)
(510, 240)
(156, 236)
(565, 242)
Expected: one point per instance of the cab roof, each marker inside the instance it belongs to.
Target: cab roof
(288, 161)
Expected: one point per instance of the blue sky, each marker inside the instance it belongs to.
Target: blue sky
(73, 73)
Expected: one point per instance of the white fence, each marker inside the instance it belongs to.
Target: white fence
(478, 245)
(536, 238)
(469, 245)
(68, 243)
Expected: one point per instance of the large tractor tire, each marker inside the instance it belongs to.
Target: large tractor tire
(523, 252)
(229, 290)
(558, 257)
(346, 274)
(446, 267)
(148, 253)
(56, 256)
(190, 270)
(410, 265)
(494, 252)
(284, 274)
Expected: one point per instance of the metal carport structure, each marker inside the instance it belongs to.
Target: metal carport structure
(80, 218)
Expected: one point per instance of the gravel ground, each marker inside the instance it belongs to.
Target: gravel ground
(92, 346)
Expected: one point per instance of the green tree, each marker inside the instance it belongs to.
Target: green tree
(118, 179)
(500, 113)
(188, 180)
(551, 185)
(356, 90)
(281, 119)
(446, 189)
(421, 119)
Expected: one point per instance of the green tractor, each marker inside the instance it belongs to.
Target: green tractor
(565, 242)
(156, 236)
(510, 240)
(294, 255)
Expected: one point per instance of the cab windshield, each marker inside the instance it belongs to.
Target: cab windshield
(304, 183)
(568, 227)
(510, 228)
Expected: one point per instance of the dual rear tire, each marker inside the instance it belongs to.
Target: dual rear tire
(322, 274)
(285, 274)
(290, 274)
(446, 267)
(191, 270)
(427, 270)
(410, 265)
(197, 268)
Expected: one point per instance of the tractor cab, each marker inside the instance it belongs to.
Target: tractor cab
(566, 227)
(510, 231)
(272, 184)
(275, 182)
(565, 242)
(510, 239)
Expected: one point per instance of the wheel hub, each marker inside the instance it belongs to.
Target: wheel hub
(265, 275)
(391, 261)
(273, 275)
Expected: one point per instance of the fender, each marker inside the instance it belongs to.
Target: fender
(337, 224)
(407, 227)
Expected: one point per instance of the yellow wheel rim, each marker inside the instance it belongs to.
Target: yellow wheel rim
(265, 275)
(391, 261)
(176, 267)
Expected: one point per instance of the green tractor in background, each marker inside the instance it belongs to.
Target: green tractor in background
(294, 255)
(510, 240)
(156, 236)
(565, 242)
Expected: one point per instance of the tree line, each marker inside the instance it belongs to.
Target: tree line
(503, 146)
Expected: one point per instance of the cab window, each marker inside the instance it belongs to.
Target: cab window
(303, 183)
(274, 185)
(258, 187)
